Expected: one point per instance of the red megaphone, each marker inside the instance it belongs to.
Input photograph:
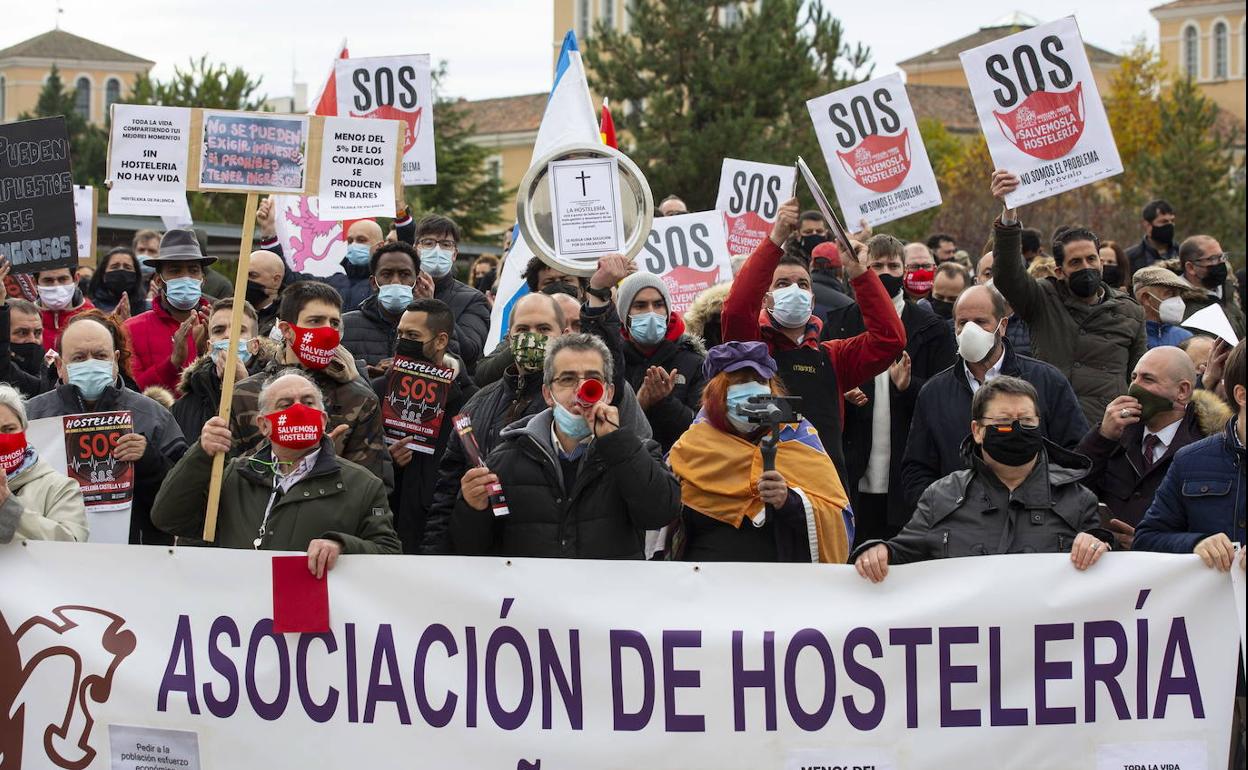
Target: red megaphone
(590, 393)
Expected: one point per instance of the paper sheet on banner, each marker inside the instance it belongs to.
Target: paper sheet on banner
(148, 160)
(47, 436)
(357, 168)
(309, 244)
(1213, 320)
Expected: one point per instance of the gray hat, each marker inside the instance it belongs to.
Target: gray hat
(632, 285)
(180, 245)
(1155, 275)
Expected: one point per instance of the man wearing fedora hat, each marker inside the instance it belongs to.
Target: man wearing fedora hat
(1161, 293)
(175, 331)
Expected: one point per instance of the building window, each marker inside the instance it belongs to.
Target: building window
(585, 10)
(608, 14)
(1191, 51)
(732, 15)
(82, 98)
(1221, 58)
(112, 93)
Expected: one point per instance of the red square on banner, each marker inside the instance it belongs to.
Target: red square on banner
(300, 601)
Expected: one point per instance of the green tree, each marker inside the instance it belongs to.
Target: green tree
(700, 87)
(466, 191)
(88, 143)
(946, 152)
(212, 86)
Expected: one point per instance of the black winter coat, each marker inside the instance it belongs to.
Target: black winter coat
(472, 318)
(932, 349)
(368, 333)
(672, 416)
(200, 389)
(942, 419)
(622, 488)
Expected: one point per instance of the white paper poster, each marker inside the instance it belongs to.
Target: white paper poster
(151, 748)
(875, 155)
(84, 222)
(750, 195)
(148, 150)
(1212, 320)
(47, 436)
(689, 252)
(1040, 111)
(398, 88)
(357, 168)
(585, 208)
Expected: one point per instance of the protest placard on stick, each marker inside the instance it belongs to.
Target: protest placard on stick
(750, 195)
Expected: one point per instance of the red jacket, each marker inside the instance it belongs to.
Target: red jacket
(855, 360)
(151, 338)
(54, 321)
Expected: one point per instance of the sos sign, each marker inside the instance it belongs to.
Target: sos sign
(864, 116)
(679, 247)
(384, 87)
(755, 188)
(1027, 70)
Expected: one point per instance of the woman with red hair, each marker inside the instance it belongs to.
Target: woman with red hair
(733, 510)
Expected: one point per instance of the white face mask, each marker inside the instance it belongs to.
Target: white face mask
(1171, 310)
(974, 343)
(791, 306)
(57, 297)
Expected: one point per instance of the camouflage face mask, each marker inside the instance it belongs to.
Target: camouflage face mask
(529, 348)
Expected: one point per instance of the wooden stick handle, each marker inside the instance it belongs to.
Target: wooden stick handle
(231, 361)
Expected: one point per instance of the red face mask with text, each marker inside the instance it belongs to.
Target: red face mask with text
(315, 347)
(296, 427)
(919, 281)
(12, 451)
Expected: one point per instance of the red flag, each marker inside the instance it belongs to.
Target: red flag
(606, 126)
(327, 102)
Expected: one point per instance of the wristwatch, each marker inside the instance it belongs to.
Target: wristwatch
(603, 294)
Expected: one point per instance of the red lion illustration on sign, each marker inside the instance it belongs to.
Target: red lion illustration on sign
(53, 646)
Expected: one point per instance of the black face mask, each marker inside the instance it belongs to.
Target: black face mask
(1012, 445)
(485, 282)
(256, 294)
(411, 349)
(1215, 276)
(1111, 274)
(1163, 233)
(892, 283)
(562, 287)
(809, 242)
(117, 281)
(1084, 283)
(28, 356)
(942, 308)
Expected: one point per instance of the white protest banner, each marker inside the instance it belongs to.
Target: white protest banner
(871, 142)
(148, 149)
(84, 222)
(309, 244)
(105, 524)
(399, 88)
(690, 253)
(750, 195)
(1241, 604)
(586, 214)
(1040, 111)
(357, 168)
(564, 664)
(1213, 320)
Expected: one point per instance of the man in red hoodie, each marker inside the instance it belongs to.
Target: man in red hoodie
(771, 300)
(175, 331)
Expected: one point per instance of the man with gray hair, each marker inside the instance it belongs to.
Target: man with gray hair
(577, 484)
(292, 494)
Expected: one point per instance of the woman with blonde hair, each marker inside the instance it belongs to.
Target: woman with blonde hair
(36, 501)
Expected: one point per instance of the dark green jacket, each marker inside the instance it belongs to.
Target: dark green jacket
(337, 500)
(1095, 346)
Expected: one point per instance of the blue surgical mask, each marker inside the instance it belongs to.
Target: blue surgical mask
(394, 297)
(244, 352)
(146, 267)
(358, 254)
(739, 396)
(791, 306)
(571, 425)
(647, 328)
(184, 293)
(436, 261)
(91, 377)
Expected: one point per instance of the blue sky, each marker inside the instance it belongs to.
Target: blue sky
(493, 47)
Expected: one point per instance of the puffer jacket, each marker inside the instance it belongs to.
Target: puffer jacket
(622, 488)
(338, 500)
(1095, 346)
(367, 333)
(472, 317)
(1202, 494)
(199, 390)
(670, 417)
(970, 513)
(151, 339)
(492, 409)
(1118, 477)
(43, 505)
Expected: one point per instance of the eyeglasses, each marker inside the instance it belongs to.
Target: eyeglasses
(1210, 260)
(573, 379)
(429, 243)
(922, 266)
(1005, 422)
